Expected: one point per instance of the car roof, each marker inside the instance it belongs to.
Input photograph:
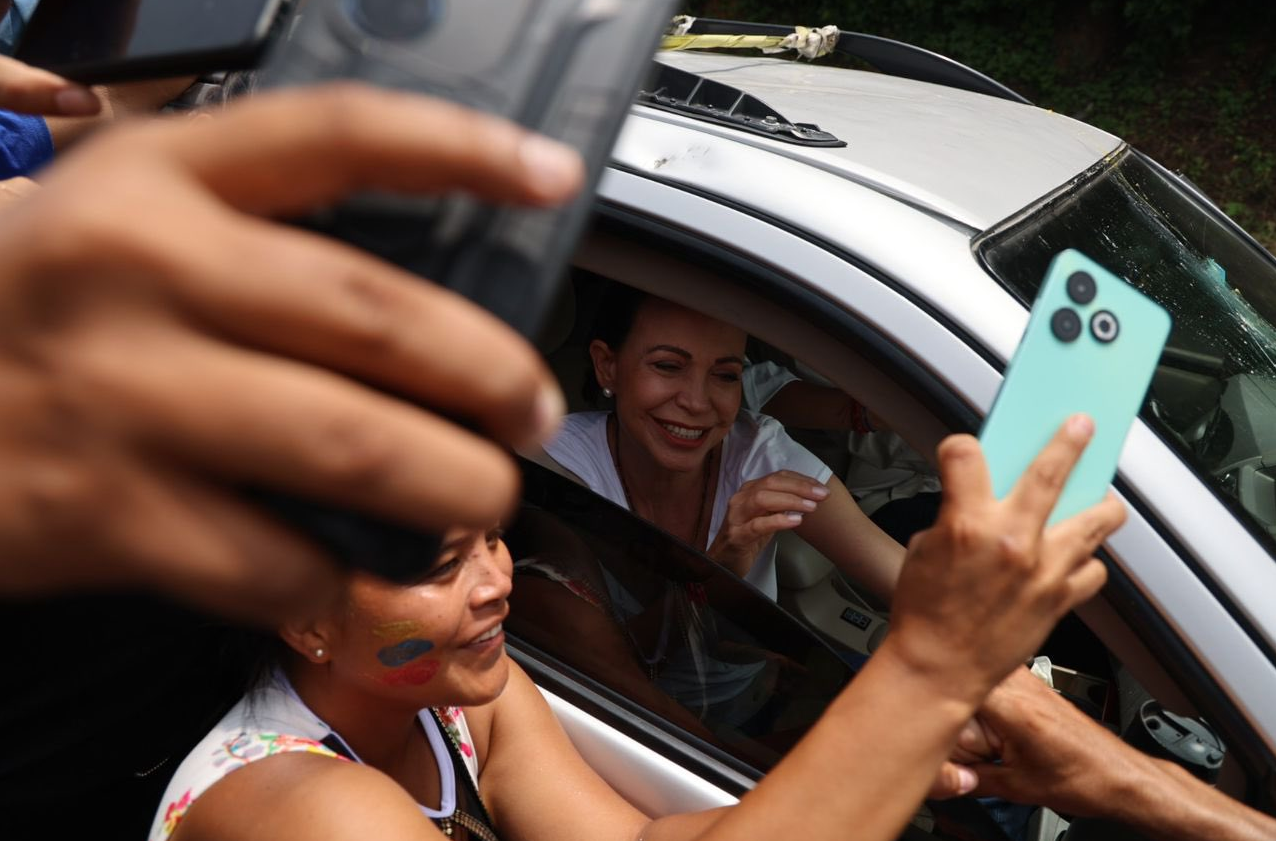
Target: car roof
(968, 157)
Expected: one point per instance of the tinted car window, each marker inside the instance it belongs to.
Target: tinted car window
(696, 646)
(1214, 394)
(662, 625)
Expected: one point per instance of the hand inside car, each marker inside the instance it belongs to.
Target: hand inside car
(164, 339)
(762, 507)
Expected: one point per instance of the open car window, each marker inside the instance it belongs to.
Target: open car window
(661, 625)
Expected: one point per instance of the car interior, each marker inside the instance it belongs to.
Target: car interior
(791, 658)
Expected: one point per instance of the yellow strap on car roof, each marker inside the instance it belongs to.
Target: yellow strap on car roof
(809, 43)
(721, 42)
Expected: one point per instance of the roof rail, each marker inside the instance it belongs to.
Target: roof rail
(894, 58)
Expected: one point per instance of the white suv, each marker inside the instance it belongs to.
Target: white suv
(888, 235)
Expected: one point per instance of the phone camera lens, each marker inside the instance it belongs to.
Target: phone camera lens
(1104, 326)
(1065, 324)
(1081, 287)
(395, 20)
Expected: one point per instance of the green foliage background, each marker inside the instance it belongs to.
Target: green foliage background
(1193, 83)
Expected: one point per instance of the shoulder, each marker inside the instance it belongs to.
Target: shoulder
(300, 795)
(263, 724)
(758, 445)
(501, 729)
(580, 446)
(579, 430)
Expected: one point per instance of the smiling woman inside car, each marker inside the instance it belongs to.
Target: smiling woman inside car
(355, 729)
(679, 451)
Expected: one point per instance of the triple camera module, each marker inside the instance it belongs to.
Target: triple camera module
(1066, 322)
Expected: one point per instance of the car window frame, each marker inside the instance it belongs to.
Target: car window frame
(1124, 599)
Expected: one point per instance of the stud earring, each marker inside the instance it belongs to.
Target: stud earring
(319, 652)
(608, 393)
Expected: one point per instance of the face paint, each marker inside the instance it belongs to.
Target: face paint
(413, 674)
(396, 630)
(404, 652)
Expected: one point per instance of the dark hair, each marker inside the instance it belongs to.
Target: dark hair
(613, 321)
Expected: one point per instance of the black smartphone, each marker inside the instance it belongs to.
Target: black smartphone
(101, 41)
(568, 69)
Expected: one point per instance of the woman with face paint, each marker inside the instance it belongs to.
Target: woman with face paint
(395, 713)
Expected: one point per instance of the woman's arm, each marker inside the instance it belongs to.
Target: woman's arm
(841, 532)
(534, 782)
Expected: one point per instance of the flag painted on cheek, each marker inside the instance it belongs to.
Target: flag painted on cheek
(404, 652)
(413, 674)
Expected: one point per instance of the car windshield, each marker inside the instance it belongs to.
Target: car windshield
(1214, 393)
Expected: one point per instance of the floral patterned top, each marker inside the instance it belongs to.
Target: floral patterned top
(273, 719)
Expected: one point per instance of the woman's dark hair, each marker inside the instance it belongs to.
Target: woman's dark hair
(612, 322)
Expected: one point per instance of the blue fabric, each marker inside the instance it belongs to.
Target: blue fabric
(25, 144)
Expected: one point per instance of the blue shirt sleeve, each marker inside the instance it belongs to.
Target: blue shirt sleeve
(25, 144)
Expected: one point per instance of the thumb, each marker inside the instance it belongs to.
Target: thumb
(953, 780)
(29, 90)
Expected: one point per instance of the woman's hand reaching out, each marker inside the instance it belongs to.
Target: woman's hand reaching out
(776, 502)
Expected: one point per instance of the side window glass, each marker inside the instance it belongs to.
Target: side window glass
(660, 624)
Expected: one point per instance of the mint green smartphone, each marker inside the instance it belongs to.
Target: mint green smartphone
(1091, 345)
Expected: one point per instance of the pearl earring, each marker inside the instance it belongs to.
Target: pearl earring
(319, 652)
(608, 393)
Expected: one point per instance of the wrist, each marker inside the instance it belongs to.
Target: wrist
(936, 664)
(956, 702)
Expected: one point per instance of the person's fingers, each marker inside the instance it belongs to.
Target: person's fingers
(29, 90)
(761, 527)
(303, 296)
(289, 151)
(262, 420)
(1073, 541)
(205, 546)
(974, 742)
(953, 780)
(963, 473)
(767, 501)
(1085, 582)
(139, 524)
(1038, 489)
